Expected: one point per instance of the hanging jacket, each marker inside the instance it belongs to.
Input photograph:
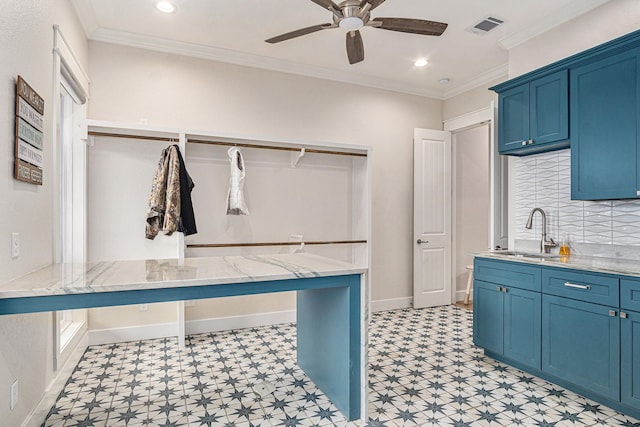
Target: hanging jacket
(235, 197)
(164, 200)
(187, 223)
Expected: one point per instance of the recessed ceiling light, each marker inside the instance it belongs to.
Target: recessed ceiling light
(165, 7)
(444, 81)
(421, 62)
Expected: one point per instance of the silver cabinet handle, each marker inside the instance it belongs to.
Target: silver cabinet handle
(624, 315)
(612, 313)
(573, 285)
(531, 142)
(420, 241)
(524, 142)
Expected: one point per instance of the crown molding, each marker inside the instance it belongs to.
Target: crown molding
(567, 13)
(500, 72)
(256, 61)
(86, 15)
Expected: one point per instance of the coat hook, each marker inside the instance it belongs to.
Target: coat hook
(295, 157)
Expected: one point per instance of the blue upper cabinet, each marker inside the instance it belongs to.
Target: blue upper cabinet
(605, 112)
(513, 123)
(534, 116)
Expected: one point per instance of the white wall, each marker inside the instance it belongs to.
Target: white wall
(471, 100)
(179, 91)
(613, 19)
(25, 341)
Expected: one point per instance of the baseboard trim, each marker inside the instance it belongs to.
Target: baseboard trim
(460, 295)
(391, 304)
(162, 330)
(39, 413)
(202, 326)
(132, 333)
(239, 322)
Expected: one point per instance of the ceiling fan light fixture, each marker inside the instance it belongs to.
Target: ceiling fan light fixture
(351, 23)
(421, 62)
(165, 7)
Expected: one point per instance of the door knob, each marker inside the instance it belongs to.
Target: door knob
(420, 241)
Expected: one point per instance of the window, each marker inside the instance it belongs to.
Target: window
(72, 203)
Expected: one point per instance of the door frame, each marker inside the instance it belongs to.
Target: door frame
(498, 182)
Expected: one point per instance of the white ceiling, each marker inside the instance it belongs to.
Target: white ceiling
(234, 31)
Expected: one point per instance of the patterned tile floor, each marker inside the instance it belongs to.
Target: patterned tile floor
(423, 371)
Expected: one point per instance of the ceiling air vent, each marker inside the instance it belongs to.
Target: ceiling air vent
(486, 25)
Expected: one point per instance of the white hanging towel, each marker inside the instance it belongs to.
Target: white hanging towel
(235, 199)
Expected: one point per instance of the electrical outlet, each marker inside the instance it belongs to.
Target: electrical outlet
(190, 303)
(15, 245)
(15, 391)
(144, 307)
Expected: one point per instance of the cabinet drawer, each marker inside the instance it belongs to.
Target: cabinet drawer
(595, 288)
(630, 294)
(507, 273)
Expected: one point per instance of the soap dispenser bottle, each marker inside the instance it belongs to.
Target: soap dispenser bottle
(565, 250)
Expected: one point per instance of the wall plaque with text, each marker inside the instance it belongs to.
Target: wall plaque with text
(29, 138)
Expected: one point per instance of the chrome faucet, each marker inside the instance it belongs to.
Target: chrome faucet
(545, 245)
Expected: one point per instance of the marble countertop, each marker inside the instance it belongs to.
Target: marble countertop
(63, 279)
(621, 266)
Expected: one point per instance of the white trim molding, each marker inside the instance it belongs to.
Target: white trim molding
(251, 60)
(203, 326)
(567, 13)
(500, 72)
(162, 330)
(391, 304)
(39, 413)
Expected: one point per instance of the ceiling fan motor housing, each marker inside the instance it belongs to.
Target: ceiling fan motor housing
(352, 17)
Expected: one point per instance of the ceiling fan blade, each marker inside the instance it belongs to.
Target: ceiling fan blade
(373, 3)
(355, 47)
(298, 33)
(406, 25)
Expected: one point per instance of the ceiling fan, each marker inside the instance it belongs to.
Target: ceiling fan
(351, 15)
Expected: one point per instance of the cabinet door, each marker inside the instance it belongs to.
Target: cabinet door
(581, 344)
(630, 369)
(550, 108)
(513, 123)
(605, 111)
(488, 317)
(522, 326)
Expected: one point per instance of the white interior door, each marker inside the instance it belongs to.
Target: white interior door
(431, 218)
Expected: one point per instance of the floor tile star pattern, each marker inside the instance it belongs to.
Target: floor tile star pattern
(423, 371)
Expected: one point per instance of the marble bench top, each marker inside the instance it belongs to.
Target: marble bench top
(63, 279)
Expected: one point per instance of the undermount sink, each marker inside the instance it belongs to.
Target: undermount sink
(519, 254)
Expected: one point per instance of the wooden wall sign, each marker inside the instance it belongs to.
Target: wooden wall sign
(29, 126)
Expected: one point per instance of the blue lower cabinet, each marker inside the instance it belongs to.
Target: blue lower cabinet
(506, 322)
(630, 369)
(581, 344)
(522, 326)
(488, 316)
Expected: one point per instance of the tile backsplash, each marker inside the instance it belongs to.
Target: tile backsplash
(544, 181)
